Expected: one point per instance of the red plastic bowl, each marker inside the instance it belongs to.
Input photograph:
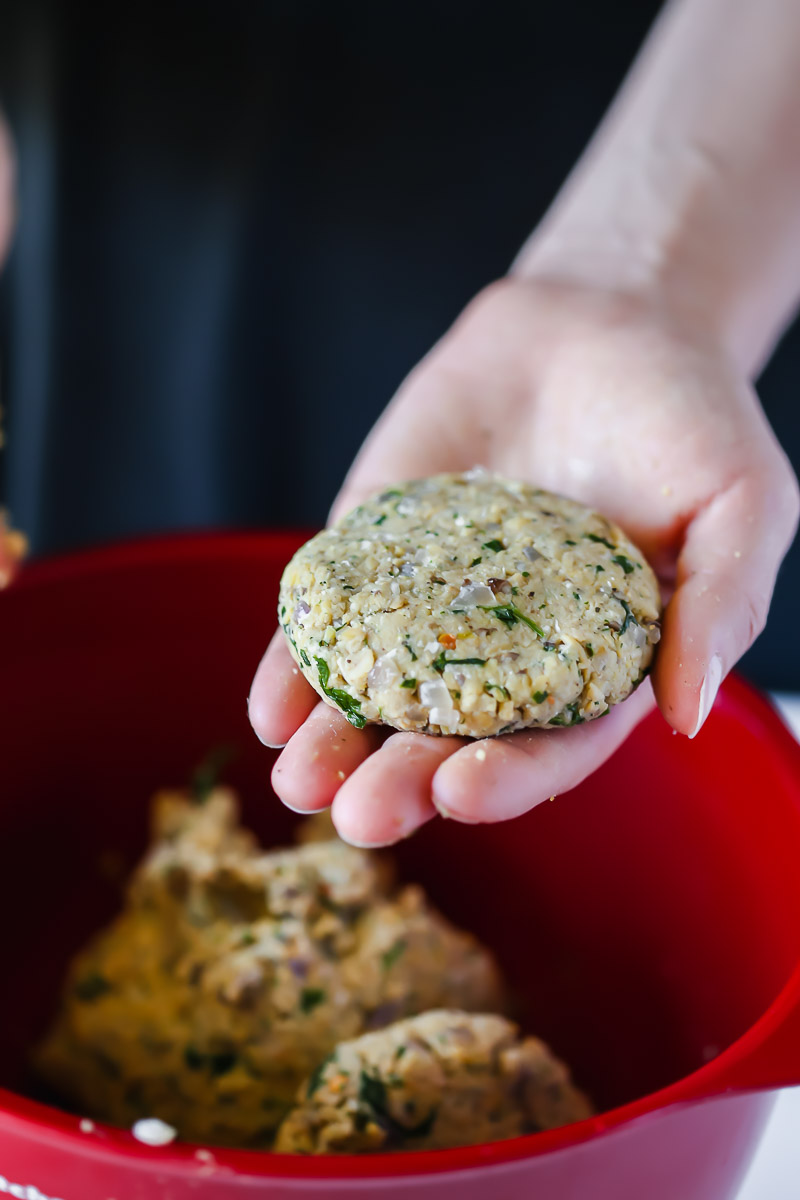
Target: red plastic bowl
(650, 919)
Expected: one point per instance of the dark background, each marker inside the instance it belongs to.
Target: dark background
(241, 224)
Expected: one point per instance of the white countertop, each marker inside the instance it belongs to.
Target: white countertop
(775, 1173)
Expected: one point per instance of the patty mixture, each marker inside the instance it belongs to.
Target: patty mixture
(231, 973)
(471, 605)
(436, 1080)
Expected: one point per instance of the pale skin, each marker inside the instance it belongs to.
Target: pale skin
(613, 364)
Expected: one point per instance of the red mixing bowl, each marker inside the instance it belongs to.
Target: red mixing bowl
(649, 920)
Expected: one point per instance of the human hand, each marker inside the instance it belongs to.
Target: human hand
(615, 401)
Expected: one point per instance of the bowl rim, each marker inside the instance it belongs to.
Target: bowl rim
(723, 1074)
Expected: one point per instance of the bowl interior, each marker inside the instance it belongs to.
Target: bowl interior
(645, 920)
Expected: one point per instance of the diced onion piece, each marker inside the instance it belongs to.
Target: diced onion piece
(472, 594)
(385, 672)
(434, 696)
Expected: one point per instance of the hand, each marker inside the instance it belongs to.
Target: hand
(612, 400)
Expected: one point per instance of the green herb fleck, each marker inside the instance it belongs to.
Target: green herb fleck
(569, 542)
(441, 661)
(92, 987)
(305, 658)
(310, 997)
(509, 614)
(372, 1093)
(248, 938)
(347, 703)
(315, 1079)
(540, 697)
(575, 596)
(476, 562)
(407, 645)
(589, 648)
(409, 683)
(625, 563)
(594, 537)
(570, 716)
(400, 1051)
(494, 544)
(390, 956)
(497, 687)
(207, 773)
(598, 569)
(380, 519)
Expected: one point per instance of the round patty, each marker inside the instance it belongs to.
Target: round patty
(440, 1079)
(471, 605)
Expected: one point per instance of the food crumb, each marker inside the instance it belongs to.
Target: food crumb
(480, 754)
(341, 775)
(87, 1126)
(154, 1132)
(204, 1156)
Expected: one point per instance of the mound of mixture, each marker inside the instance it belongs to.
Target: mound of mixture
(232, 973)
(436, 1080)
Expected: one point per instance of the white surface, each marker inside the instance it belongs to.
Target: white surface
(775, 1173)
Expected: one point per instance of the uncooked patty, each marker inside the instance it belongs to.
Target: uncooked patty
(440, 1079)
(471, 605)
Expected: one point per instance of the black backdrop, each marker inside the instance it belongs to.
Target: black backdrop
(242, 223)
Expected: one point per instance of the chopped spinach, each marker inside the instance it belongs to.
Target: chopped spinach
(497, 687)
(540, 697)
(509, 614)
(390, 956)
(372, 1093)
(409, 683)
(476, 562)
(92, 987)
(310, 998)
(440, 662)
(570, 716)
(206, 774)
(626, 564)
(305, 658)
(594, 537)
(315, 1079)
(342, 699)
(494, 544)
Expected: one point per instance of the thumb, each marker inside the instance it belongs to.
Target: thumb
(424, 431)
(726, 577)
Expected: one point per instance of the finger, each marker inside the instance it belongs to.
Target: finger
(280, 698)
(323, 753)
(498, 778)
(726, 576)
(389, 796)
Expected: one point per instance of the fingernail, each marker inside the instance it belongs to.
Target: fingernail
(270, 745)
(708, 693)
(302, 812)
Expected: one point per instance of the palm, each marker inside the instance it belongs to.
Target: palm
(599, 399)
